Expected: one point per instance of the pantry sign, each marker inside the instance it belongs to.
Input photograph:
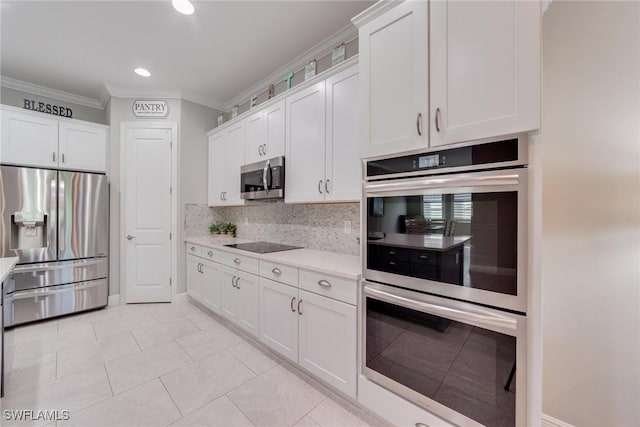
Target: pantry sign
(150, 109)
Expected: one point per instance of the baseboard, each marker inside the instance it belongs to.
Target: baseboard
(183, 297)
(549, 421)
(113, 300)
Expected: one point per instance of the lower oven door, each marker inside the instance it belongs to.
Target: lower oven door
(455, 359)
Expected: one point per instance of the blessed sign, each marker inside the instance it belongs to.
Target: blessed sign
(43, 107)
(150, 108)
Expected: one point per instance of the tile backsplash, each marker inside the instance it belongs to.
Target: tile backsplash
(317, 226)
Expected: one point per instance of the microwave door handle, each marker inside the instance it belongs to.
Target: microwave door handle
(265, 172)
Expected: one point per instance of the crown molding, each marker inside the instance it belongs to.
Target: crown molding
(374, 11)
(345, 35)
(53, 93)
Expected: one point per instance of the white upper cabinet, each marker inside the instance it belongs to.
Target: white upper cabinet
(265, 133)
(342, 171)
(484, 70)
(29, 139)
(82, 147)
(394, 95)
(305, 136)
(34, 139)
(226, 156)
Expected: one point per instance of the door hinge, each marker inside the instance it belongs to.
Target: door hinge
(171, 145)
(170, 190)
(170, 236)
(170, 281)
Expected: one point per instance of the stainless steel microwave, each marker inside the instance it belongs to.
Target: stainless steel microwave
(263, 180)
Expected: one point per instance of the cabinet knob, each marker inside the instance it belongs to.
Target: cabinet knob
(276, 271)
(130, 237)
(210, 253)
(193, 248)
(237, 261)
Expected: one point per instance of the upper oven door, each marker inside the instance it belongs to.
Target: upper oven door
(460, 235)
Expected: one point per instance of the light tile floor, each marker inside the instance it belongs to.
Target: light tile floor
(159, 365)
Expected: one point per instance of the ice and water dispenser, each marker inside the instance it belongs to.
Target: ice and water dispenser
(28, 230)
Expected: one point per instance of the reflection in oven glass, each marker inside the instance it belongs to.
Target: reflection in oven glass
(465, 239)
(466, 368)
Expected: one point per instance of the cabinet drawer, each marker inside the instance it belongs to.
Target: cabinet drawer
(331, 286)
(279, 273)
(210, 254)
(424, 257)
(241, 262)
(194, 249)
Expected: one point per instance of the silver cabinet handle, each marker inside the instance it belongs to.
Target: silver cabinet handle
(437, 119)
(238, 282)
(130, 237)
(277, 271)
(293, 299)
(193, 248)
(202, 268)
(54, 157)
(264, 149)
(326, 186)
(233, 281)
(210, 253)
(419, 124)
(224, 196)
(237, 261)
(324, 283)
(221, 196)
(198, 268)
(62, 157)
(320, 186)
(259, 150)
(299, 311)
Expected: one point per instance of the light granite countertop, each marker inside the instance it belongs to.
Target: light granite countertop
(6, 264)
(341, 265)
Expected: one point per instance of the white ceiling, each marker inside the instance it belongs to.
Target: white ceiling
(208, 57)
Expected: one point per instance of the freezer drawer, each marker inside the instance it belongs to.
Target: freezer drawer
(37, 304)
(34, 276)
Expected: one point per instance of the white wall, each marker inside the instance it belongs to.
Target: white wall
(196, 120)
(591, 213)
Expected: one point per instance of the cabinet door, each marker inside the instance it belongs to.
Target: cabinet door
(229, 295)
(82, 147)
(343, 175)
(211, 284)
(249, 302)
(216, 168)
(29, 140)
(484, 70)
(393, 80)
(274, 117)
(255, 137)
(234, 159)
(279, 318)
(327, 340)
(194, 277)
(304, 180)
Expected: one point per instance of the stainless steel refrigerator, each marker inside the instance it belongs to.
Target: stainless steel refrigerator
(57, 223)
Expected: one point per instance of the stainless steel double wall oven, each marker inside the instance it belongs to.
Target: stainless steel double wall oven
(445, 272)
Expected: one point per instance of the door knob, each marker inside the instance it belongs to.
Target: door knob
(130, 237)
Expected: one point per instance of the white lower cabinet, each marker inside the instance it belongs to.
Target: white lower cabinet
(316, 332)
(211, 285)
(194, 277)
(327, 340)
(279, 318)
(240, 298)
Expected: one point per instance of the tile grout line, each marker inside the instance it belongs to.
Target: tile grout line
(173, 401)
(106, 371)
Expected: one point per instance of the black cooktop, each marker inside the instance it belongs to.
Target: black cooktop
(262, 247)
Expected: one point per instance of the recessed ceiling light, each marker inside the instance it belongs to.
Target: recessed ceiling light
(183, 6)
(142, 72)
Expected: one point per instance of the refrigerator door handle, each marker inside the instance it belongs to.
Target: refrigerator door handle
(61, 217)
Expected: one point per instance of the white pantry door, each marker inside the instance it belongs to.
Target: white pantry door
(147, 209)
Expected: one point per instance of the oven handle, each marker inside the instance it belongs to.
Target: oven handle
(491, 179)
(419, 302)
